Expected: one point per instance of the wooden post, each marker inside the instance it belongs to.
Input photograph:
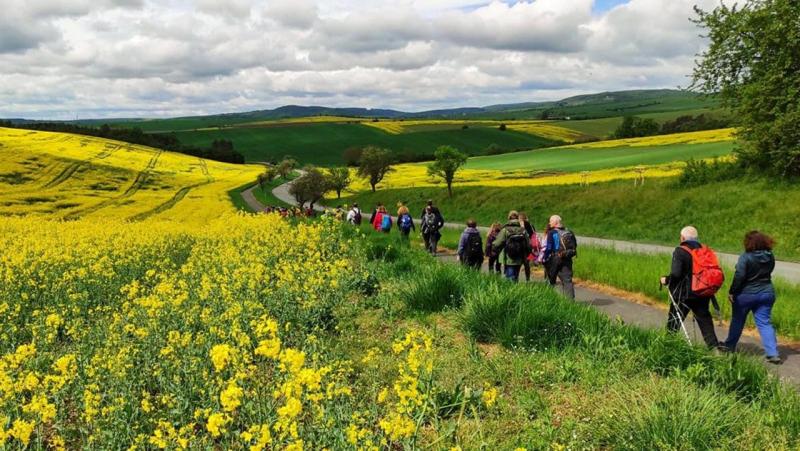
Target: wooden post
(585, 178)
(639, 179)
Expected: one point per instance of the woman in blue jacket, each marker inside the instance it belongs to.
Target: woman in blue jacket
(752, 291)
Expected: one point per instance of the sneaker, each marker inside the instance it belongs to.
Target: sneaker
(774, 359)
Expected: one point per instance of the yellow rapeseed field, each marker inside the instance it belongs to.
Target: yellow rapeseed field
(702, 137)
(60, 175)
(158, 334)
(538, 128)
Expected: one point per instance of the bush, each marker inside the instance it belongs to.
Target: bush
(700, 172)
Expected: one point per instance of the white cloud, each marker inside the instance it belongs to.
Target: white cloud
(177, 57)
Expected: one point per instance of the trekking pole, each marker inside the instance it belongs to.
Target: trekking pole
(678, 315)
(717, 310)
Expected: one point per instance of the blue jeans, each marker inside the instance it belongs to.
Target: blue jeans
(761, 306)
(512, 272)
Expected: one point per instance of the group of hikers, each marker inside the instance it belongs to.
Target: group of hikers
(290, 212)
(693, 282)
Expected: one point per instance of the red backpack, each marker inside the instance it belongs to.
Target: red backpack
(707, 276)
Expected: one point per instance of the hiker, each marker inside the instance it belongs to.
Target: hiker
(531, 231)
(405, 223)
(382, 221)
(752, 291)
(354, 215)
(431, 228)
(432, 222)
(374, 212)
(561, 247)
(692, 282)
(470, 246)
(515, 244)
(494, 256)
(338, 213)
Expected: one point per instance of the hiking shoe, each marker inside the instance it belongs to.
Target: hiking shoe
(774, 359)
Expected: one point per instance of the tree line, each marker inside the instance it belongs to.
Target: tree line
(219, 150)
(637, 127)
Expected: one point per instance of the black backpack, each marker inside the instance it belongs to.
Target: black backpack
(517, 246)
(568, 244)
(430, 223)
(357, 217)
(474, 248)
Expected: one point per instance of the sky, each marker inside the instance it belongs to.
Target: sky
(67, 59)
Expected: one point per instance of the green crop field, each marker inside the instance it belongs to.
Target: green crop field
(576, 158)
(324, 143)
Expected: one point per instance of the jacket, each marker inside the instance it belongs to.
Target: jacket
(511, 228)
(489, 251)
(679, 279)
(462, 243)
(753, 273)
(439, 221)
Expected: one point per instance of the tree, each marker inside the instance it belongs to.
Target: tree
(636, 127)
(286, 167)
(752, 63)
(309, 187)
(267, 176)
(375, 163)
(338, 180)
(448, 161)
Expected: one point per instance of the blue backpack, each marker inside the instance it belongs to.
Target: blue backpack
(386, 223)
(405, 222)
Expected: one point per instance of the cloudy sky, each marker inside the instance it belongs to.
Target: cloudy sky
(61, 59)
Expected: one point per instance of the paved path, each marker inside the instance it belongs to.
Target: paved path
(655, 317)
(788, 271)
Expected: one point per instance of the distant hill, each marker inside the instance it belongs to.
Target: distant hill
(589, 106)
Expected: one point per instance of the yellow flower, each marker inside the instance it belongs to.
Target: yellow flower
(231, 397)
(221, 355)
(489, 396)
(269, 348)
(216, 424)
(22, 430)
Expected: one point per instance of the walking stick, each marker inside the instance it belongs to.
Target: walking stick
(678, 314)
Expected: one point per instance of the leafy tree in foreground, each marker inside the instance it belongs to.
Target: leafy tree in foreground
(753, 62)
(338, 180)
(309, 187)
(375, 163)
(448, 161)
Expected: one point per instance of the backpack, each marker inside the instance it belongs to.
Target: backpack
(405, 222)
(474, 250)
(386, 222)
(429, 222)
(517, 246)
(536, 246)
(567, 244)
(356, 217)
(707, 276)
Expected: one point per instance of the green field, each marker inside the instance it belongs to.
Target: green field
(587, 159)
(604, 127)
(324, 144)
(655, 213)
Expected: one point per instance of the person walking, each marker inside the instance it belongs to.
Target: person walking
(380, 218)
(690, 289)
(354, 215)
(515, 245)
(432, 222)
(405, 223)
(531, 231)
(752, 291)
(494, 256)
(470, 246)
(561, 247)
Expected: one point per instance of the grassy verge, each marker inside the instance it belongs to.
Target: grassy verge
(265, 195)
(655, 213)
(567, 376)
(237, 199)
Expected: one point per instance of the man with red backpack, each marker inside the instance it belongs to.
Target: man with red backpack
(693, 282)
